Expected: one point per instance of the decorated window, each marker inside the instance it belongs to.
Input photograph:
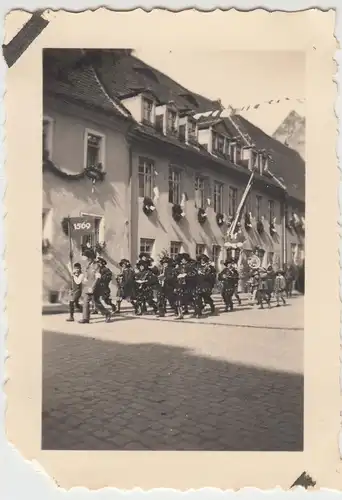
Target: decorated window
(146, 246)
(200, 249)
(258, 207)
(174, 185)
(95, 237)
(175, 248)
(200, 191)
(218, 197)
(146, 170)
(232, 201)
(94, 154)
(147, 110)
(47, 137)
(270, 211)
(171, 121)
(216, 252)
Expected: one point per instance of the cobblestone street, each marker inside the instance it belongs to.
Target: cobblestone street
(229, 382)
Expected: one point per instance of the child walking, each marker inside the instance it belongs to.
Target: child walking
(280, 287)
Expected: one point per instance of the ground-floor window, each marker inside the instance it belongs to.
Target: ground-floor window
(146, 246)
(216, 252)
(200, 249)
(96, 236)
(175, 248)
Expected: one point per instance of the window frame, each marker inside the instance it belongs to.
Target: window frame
(173, 128)
(144, 160)
(201, 190)
(99, 234)
(175, 244)
(218, 210)
(152, 102)
(143, 247)
(172, 170)
(258, 207)
(216, 258)
(192, 135)
(271, 210)
(102, 149)
(51, 122)
(232, 210)
(203, 247)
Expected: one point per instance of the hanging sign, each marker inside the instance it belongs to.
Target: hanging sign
(81, 225)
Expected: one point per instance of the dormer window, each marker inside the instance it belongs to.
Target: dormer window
(220, 144)
(232, 151)
(238, 154)
(171, 121)
(147, 110)
(192, 130)
(254, 160)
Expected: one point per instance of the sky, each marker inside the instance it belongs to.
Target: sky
(238, 79)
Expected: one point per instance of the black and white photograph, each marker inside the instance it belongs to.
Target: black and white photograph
(173, 250)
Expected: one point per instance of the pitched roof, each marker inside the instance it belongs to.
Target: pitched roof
(286, 164)
(69, 74)
(122, 73)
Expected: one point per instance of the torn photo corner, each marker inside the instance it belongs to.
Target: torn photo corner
(185, 195)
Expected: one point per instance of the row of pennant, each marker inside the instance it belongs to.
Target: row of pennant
(227, 112)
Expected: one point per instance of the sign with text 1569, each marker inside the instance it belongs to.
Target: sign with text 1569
(82, 225)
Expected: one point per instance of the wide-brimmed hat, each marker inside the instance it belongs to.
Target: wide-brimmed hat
(145, 256)
(228, 261)
(89, 253)
(124, 261)
(202, 258)
(165, 260)
(101, 261)
(142, 262)
(184, 256)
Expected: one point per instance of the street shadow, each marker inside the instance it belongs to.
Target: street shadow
(109, 395)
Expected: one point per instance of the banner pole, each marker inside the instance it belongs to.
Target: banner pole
(70, 245)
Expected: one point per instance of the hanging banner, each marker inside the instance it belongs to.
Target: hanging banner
(81, 225)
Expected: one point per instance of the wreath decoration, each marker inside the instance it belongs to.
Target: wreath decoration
(202, 215)
(177, 212)
(95, 172)
(220, 219)
(148, 206)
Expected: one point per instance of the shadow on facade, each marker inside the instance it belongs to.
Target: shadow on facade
(104, 395)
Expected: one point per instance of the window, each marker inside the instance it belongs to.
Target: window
(97, 236)
(146, 246)
(146, 169)
(258, 207)
(174, 185)
(238, 154)
(232, 201)
(47, 137)
(270, 211)
(254, 159)
(94, 148)
(232, 151)
(294, 253)
(218, 197)
(213, 141)
(220, 144)
(200, 249)
(192, 130)
(147, 110)
(199, 191)
(175, 248)
(172, 121)
(181, 133)
(216, 252)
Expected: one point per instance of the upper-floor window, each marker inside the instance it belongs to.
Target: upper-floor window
(232, 151)
(213, 141)
(258, 200)
(238, 154)
(174, 185)
(220, 143)
(232, 201)
(95, 149)
(146, 170)
(200, 191)
(192, 130)
(47, 137)
(147, 110)
(171, 121)
(95, 236)
(218, 197)
(270, 211)
(255, 159)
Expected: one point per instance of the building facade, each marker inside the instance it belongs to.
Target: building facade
(170, 172)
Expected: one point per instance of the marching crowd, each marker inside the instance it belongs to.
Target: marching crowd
(184, 284)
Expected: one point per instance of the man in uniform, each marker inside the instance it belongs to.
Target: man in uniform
(165, 290)
(102, 289)
(185, 285)
(145, 281)
(228, 279)
(126, 284)
(91, 279)
(205, 283)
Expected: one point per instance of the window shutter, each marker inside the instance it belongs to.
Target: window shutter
(209, 192)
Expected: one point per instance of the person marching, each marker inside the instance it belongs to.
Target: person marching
(185, 285)
(205, 283)
(102, 289)
(263, 288)
(280, 287)
(92, 277)
(126, 285)
(165, 290)
(237, 277)
(146, 281)
(227, 277)
(76, 291)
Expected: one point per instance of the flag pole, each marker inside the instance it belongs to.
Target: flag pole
(70, 244)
